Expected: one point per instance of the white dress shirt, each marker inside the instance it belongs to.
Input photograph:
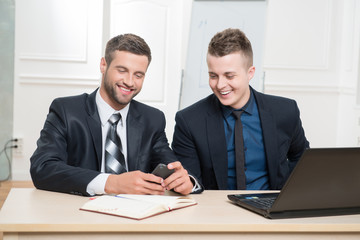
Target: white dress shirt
(97, 185)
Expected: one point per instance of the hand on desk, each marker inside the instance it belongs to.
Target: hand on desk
(179, 181)
(135, 182)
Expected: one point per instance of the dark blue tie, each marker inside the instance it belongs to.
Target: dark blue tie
(239, 152)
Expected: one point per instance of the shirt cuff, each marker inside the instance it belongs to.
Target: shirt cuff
(197, 186)
(97, 185)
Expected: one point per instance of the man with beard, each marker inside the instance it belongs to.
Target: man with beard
(106, 142)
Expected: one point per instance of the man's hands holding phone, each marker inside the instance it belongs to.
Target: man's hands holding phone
(162, 171)
(175, 177)
(137, 182)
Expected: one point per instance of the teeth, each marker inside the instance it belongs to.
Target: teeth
(125, 89)
(224, 93)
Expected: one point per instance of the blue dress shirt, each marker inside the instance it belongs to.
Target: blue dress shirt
(255, 160)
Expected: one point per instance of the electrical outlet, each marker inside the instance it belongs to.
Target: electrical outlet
(19, 150)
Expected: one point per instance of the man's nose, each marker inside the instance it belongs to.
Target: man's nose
(222, 82)
(129, 80)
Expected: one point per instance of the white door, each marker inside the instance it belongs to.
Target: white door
(159, 23)
(208, 18)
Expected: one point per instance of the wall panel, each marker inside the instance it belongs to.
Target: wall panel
(58, 51)
(309, 56)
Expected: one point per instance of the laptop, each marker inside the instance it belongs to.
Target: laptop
(325, 182)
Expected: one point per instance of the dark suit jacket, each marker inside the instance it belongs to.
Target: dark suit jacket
(69, 149)
(199, 139)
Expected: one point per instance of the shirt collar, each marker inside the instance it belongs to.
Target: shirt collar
(105, 110)
(248, 108)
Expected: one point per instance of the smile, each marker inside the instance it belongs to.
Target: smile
(125, 89)
(225, 92)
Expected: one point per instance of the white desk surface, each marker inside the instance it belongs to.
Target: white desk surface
(29, 210)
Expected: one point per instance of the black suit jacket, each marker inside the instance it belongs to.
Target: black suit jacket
(68, 154)
(199, 139)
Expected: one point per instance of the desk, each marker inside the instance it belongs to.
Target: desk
(37, 214)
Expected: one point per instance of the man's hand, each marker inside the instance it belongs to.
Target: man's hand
(179, 181)
(135, 182)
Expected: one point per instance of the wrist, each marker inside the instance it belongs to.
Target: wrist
(109, 189)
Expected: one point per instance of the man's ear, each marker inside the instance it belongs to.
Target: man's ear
(103, 65)
(251, 72)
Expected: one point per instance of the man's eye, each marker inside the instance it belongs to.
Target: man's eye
(139, 75)
(212, 76)
(230, 76)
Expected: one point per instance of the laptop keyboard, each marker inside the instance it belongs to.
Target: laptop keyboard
(262, 203)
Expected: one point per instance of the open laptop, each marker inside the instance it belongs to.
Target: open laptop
(325, 181)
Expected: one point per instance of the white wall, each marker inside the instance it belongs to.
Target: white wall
(57, 53)
(58, 50)
(311, 55)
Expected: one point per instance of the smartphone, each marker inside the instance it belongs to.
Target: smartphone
(162, 171)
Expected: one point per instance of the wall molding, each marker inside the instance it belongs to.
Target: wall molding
(313, 88)
(323, 64)
(53, 58)
(28, 79)
(47, 47)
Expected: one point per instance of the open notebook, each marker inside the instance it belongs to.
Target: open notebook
(136, 206)
(324, 182)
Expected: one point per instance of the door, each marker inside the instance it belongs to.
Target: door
(156, 21)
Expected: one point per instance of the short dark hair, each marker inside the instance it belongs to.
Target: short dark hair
(230, 41)
(127, 42)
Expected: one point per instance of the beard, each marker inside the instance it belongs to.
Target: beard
(114, 95)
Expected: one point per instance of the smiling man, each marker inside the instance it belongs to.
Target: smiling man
(106, 142)
(238, 138)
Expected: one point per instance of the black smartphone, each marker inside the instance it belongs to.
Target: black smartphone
(162, 171)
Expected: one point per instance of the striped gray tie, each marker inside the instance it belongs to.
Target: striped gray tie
(114, 159)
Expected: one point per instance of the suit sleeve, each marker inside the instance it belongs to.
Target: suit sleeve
(50, 167)
(185, 149)
(161, 152)
(298, 142)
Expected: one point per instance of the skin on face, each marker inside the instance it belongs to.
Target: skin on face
(229, 79)
(122, 80)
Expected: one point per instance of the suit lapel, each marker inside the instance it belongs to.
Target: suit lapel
(269, 135)
(134, 135)
(93, 121)
(217, 144)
